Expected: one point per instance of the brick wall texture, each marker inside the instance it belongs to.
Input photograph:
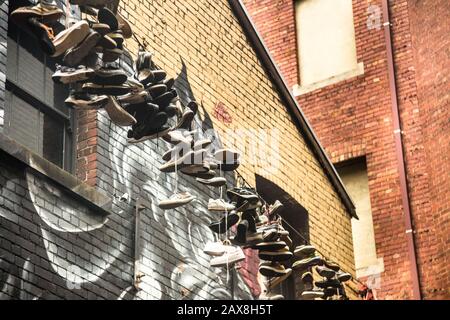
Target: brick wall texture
(353, 118)
(52, 246)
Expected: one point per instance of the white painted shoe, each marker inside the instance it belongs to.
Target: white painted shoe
(220, 205)
(215, 249)
(230, 257)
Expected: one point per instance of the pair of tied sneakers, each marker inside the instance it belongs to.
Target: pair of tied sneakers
(224, 255)
(36, 21)
(307, 258)
(176, 200)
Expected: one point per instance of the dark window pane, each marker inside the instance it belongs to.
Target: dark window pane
(53, 140)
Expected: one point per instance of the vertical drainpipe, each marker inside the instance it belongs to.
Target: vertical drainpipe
(400, 155)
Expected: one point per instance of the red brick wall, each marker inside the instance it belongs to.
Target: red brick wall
(430, 31)
(353, 118)
(86, 135)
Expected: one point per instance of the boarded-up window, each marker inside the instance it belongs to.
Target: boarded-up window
(326, 39)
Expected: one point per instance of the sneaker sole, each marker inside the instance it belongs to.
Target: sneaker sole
(106, 90)
(173, 205)
(77, 76)
(74, 56)
(274, 256)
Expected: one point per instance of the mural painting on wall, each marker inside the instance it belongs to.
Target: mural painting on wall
(60, 249)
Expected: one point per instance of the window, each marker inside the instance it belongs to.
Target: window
(295, 217)
(35, 114)
(355, 178)
(326, 41)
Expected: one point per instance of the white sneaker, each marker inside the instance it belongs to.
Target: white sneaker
(177, 200)
(215, 249)
(220, 205)
(230, 257)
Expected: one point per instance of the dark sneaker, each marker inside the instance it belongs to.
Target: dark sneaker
(304, 251)
(43, 34)
(117, 114)
(159, 75)
(107, 17)
(125, 26)
(71, 37)
(343, 276)
(74, 56)
(241, 234)
(332, 265)
(66, 75)
(331, 292)
(249, 215)
(102, 28)
(154, 134)
(270, 246)
(225, 223)
(326, 272)
(328, 283)
(111, 55)
(157, 90)
(278, 255)
(307, 263)
(151, 125)
(109, 76)
(273, 270)
(308, 280)
(171, 111)
(83, 101)
(117, 37)
(186, 119)
(272, 283)
(106, 43)
(245, 194)
(169, 83)
(164, 100)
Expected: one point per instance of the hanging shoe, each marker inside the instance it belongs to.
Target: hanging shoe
(83, 101)
(220, 205)
(118, 115)
(240, 238)
(277, 255)
(109, 76)
(230, 257)
(43, 13)
(344, 276)
(332, 265)
(111, 55)
(74, 56)
(177, 200)
(151, 134)
(106, 43)
(109, 90)
(43, 34)
(98, 4)
(214, 182)
(102, 28)
(156, 90)
(135, 98)
(325, 272)
(307, 263)
(272, 283)
(70, 37)
(67, 75)
(105, 16)
(125, 26)
(270, 246)
(273, 270)
(328, 283)
(215, 249)
(225, 223)
(313, 294)
(304, 251)
(117, 37)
